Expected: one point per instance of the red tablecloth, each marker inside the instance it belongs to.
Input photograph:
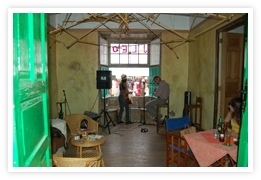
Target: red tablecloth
(208, 150)
(210, 139)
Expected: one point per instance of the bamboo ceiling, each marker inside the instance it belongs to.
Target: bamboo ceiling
(124, 32)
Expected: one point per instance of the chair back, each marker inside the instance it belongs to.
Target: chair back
(74, 122)
(177, 149)
(177, 123)
(61, 161)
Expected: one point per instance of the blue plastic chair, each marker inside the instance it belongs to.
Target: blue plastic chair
(177, 123)
(177, 149)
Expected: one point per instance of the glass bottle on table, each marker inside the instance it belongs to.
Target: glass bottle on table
(219, 124)
(222, 132)
(81, 140)
(218, 128)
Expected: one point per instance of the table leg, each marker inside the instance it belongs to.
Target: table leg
(102, 161)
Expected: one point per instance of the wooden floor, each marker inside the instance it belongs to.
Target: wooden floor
(127, 146)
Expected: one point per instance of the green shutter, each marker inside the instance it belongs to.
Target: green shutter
(154, 71)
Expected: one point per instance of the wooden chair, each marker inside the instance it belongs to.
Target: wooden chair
(177, 149)
(195, 112)
(61, 161)
(225, 161)
(74, 121)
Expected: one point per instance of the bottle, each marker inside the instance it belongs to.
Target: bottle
(222, 132)
(219, 124)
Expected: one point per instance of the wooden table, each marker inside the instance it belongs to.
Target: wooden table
(88, 143)
(208, 150)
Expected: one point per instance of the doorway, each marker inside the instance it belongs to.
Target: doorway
(230, 61)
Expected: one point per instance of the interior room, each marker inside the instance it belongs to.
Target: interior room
(202, 56)
(189, 68)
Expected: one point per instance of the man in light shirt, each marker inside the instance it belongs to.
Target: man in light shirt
(162, 94)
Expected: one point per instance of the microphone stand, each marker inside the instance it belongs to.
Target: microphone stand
(66, 103)
(144, 122)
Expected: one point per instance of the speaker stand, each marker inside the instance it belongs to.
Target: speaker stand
(106, 122)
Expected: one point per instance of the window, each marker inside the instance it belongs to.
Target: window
(137, 78)
(139, 61)
(129, 54)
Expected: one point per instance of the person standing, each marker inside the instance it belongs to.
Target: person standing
(124, 92)
(162, 94)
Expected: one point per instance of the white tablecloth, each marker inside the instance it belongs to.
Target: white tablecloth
(61, 125)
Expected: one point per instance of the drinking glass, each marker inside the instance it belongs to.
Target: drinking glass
(81, 141)
(215, 134)
(228, 138)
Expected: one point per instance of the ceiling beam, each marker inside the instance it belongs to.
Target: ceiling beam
(123, 19)
(156, 35)
(213, 26)
(68, 27)
(95, 15)
(163, 26)
(102, 23)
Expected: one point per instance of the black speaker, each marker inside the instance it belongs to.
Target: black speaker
(187, 97)
(103, 79)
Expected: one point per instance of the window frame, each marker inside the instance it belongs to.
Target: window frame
(128, 44)
(128, 65)
(154, 69)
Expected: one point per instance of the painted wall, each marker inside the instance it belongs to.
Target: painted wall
(201, 76)
(201, 69)
(52, 75)
(193, 70)
(76, 71)
(175, 71)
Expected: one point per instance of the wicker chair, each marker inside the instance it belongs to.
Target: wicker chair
(74, 121)
(61, 161)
